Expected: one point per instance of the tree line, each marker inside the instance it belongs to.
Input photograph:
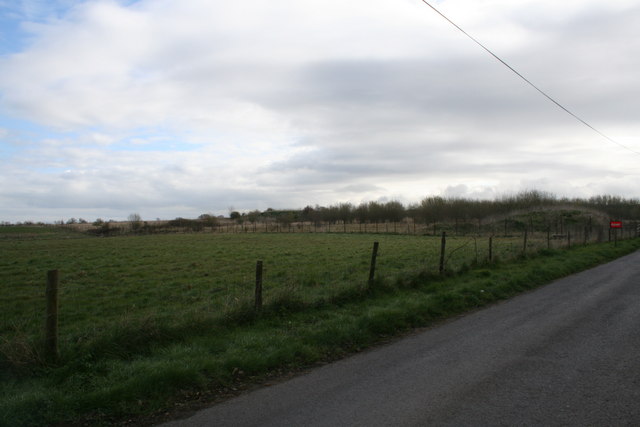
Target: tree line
(435, 209)
(430, 210)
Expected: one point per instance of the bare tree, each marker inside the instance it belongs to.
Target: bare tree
(135, 220)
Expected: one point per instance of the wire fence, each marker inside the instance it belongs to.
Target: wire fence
(506, 227)
(211, 274)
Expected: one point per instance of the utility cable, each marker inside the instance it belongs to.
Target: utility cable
(529, 82)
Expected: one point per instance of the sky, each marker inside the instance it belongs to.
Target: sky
(175, 108)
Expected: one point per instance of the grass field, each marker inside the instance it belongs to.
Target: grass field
(111, 280)
(143, 317)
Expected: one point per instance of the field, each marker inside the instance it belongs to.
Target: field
(107, 281)
(142, 317)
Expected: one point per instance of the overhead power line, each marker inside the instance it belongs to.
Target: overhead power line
(529, 82)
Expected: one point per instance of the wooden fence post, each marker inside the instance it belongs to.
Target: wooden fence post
(524, 247)
(258, 304)
(568, 239)
(443, 244)
(51, 326)
(372, 269)
(475, 245)
(549, 238)
(490, 248)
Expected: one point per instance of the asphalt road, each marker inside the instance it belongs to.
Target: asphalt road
(565, 354)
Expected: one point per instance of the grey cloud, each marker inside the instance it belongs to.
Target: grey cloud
(360, 188)
(383, 163)
(425, 86)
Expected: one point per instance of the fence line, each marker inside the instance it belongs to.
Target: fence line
(405, 227)
(530, 242)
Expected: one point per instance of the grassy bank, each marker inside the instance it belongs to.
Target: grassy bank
(148, 363)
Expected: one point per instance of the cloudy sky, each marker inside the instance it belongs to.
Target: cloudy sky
(174, 108)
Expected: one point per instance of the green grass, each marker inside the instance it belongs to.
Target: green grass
(125, 280)
(144, 319)
(24, 232)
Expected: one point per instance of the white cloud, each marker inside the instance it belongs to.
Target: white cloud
(162, 61)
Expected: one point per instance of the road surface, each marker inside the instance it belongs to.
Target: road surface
(565, 354)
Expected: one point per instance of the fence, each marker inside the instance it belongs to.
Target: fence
(506, 227)
(454, 253)
(336, 270)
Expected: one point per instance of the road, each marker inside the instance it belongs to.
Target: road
(565, 354)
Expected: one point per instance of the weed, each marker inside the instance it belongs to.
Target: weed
(22, 352)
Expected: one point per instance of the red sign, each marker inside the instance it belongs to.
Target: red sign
(615, 224)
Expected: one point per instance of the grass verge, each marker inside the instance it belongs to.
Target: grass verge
(176, 365)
